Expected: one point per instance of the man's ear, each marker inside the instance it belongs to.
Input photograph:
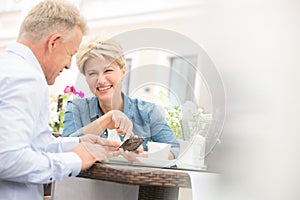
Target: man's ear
(53, 41)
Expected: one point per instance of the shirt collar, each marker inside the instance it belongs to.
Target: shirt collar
(25, 52)
(97, 110)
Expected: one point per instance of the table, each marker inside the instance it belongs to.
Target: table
(154, 183)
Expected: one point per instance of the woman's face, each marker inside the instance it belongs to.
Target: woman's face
(104, 77)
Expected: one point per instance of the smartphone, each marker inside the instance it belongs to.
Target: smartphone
(132, 144)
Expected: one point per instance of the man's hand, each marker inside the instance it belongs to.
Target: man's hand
(94, 139)
(93, 148)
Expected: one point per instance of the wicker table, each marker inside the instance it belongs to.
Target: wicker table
(154, 183)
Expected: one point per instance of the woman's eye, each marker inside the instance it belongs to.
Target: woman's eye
(108, 70)
(92, 74)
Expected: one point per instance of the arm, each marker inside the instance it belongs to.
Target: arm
(74, 120)
(30, 152)
(25, 136)
(77, 123)
(99, 125)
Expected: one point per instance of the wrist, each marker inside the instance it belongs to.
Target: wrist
(86, 157)
(100, 125)
(105, 121)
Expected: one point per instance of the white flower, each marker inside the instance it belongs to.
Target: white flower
(188, 110)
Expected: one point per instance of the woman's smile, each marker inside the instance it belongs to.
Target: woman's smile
(101, 89)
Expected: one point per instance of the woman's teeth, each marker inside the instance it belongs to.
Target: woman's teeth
(104, 88)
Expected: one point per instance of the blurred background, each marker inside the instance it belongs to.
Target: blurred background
(254, 47)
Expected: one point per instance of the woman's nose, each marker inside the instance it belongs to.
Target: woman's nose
(101, 78)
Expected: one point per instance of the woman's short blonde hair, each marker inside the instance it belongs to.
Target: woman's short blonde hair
(98, 48)
(51, 16)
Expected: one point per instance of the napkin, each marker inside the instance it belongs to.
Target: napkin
(158, 150)
(112, 134)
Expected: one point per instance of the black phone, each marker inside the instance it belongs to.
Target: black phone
(132, 144)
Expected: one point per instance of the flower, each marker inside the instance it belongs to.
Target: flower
(58, 106)
(71, 90)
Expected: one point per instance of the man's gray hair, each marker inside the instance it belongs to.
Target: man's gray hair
(49, 17)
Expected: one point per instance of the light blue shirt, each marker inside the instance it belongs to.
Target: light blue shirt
(148, 122)
(28, 151)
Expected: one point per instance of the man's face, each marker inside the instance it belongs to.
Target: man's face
(61, 55)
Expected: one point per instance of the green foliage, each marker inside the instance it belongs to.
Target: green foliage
(173, 119)
(58, 105)
(57, 112)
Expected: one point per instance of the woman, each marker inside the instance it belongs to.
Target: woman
(103, 65)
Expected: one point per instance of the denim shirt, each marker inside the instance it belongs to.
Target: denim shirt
(148, 122)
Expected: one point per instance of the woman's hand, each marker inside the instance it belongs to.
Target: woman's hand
(131, 156)
(121, 123)
(114, 119)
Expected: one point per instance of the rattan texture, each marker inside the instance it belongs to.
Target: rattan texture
(143, 176)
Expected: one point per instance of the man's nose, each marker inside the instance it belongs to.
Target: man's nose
(67, 66)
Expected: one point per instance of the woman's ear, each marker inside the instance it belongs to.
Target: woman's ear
(124, 71)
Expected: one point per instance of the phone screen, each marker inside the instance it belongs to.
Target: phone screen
(132, 144)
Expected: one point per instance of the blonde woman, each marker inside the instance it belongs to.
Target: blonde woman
(103, 64)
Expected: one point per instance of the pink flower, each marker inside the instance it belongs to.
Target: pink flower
(71, 90)
(81, 94)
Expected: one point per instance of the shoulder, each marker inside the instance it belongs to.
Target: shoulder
(86, 100)
(141, 105)
(83, 102)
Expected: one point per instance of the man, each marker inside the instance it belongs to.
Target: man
(30, 156)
